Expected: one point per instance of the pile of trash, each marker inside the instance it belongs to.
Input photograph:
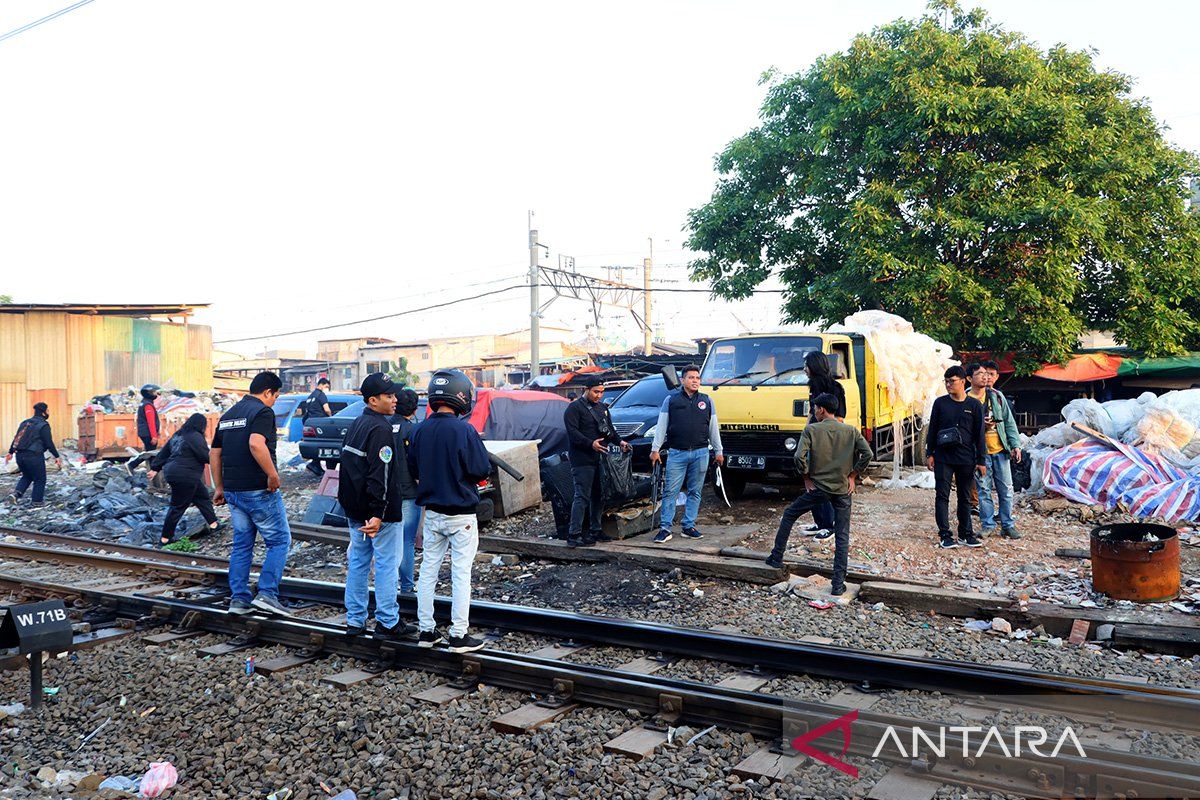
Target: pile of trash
(170, 401)
(1146, 459)
(118, 506)
(909, 364)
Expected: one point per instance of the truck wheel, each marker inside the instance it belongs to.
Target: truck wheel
(485, 512)
(735, 486)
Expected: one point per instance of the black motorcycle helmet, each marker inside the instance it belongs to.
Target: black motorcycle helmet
(150, 391)
(453, 388)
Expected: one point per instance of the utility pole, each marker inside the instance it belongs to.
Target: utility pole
(648, 342)
(534, 344)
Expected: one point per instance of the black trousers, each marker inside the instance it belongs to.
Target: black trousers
(147, 443)
(183, 494)
(588, 500)
(963, 477)
(33, 471)
(810, 500)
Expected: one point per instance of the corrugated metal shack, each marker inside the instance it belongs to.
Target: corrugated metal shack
(63, 355)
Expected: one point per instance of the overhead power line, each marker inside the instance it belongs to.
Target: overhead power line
(44, 19)
(479, 296)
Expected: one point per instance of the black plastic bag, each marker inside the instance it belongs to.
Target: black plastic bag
(1021, 477)
(616, 470)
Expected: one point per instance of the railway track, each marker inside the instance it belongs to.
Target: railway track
(189, 600)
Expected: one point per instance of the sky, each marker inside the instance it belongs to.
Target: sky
(300, 164)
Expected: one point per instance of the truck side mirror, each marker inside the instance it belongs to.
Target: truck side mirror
(671, 377)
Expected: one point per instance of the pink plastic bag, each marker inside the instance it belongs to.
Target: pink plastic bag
(160, 777)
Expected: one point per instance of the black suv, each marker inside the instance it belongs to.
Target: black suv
(635, 415)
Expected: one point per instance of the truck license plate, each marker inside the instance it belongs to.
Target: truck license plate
(746, 462)
(328, 452)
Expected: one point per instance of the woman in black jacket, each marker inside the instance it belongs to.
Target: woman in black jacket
(182, 462)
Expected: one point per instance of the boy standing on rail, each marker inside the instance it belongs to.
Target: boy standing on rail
(448, 460)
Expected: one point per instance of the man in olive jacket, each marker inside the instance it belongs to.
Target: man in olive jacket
(831, 456)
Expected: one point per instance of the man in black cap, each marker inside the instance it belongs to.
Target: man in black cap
(316, 406)
(590, 432)
(369, 491)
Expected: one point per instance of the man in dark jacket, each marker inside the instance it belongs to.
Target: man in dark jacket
(448, 460)
(369, 491)
(182, 460)
(403, 424)
(589, 431)
(831, 456)
(316, 406)
(955, 451)
(148, 424)
(30, 444)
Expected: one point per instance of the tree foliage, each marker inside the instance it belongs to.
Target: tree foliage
(944, 169)
(400, 374)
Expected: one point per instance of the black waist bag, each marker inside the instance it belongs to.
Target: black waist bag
(948, 437)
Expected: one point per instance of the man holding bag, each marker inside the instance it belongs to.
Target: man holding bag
(955, 451)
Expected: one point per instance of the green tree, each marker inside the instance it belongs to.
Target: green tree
(5, 299)
(949, 171)
(400, 374)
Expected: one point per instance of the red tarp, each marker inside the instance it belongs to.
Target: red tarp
(1083, 368)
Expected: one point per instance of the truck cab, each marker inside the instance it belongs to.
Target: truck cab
(760, 390)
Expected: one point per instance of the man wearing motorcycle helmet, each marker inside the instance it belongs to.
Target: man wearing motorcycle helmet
(447, 459)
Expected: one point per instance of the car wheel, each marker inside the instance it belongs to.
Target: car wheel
(735, 486)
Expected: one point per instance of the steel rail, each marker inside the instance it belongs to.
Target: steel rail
(1103, 773)
(872, 669)
(166, 556)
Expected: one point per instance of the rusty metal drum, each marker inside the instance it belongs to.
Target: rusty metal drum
(1136, 561)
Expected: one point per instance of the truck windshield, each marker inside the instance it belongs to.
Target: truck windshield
(767, 361)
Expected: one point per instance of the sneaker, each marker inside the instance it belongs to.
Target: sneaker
(774, 563)
(588, 541)
(837, 591)
(356, 630)
(575, 542)
(604, 537)
(663, 536)
(812, 526)
(240, 607)
(947, 543)
(401, 630)
(270, 605)
(429, 638)
(692, 533)
(1010, 533)
(824, 533)
(465, 644)
(813, 530)
(972, 541)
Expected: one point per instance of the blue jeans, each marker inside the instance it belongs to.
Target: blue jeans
(384, 550)
(999, 474)
(684, 467)
(408, 551)
(257, 513)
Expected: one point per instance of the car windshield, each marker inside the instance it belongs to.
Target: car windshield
(646, 392)
(768, 361)
(283, 409)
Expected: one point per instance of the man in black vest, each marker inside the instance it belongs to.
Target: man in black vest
(687, 424)
(590, 432)
(242, 460)
(316, 406)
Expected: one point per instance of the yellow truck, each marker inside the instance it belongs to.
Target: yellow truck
(760, 391)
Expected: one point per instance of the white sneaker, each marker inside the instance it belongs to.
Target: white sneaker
(812, 526)
(815, 531)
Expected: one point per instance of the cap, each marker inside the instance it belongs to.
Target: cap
(377, 383)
